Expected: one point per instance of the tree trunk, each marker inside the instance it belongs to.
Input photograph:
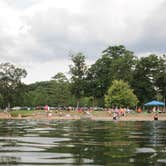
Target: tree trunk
(78, 102)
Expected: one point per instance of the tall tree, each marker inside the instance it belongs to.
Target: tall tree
(150, 77)
(1, 101)
(10, 80)
(78, 73)
(122, 62)
(160, 77)
(99, 77)
(116, 51)
(116, 63)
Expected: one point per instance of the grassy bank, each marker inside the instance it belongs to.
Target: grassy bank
(23, 113)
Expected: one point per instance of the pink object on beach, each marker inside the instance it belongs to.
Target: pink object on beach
(46, 108)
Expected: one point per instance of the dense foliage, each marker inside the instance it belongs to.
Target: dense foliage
(146, 76)
(11, 87)
(120, 95)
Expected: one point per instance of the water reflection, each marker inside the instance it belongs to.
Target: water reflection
(28, 142)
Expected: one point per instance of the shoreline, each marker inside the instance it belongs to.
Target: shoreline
(105, 117)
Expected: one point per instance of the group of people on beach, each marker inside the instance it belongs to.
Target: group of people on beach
(117, 113)
(108, 113)
(121, 112)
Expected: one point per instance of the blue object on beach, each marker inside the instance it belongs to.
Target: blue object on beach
(154, 103)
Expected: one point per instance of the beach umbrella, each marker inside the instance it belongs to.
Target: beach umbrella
(154, 103)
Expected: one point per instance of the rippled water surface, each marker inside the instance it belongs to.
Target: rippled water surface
(32, 143)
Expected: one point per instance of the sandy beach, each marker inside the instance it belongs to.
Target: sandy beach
(135, 117)
(93, 116)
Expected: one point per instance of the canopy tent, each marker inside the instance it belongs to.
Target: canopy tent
(154, 103)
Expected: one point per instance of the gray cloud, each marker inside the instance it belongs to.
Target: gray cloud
(56, 32)
(41, 32)
(153, 37)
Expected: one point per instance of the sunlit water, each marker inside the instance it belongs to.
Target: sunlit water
(31, 143)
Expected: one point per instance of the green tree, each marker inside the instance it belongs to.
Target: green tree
(116, 51)
(160, 77)
(98, 77)
(122, 62)
(60, 77)
(120, 95)
(78, 73)
(59, 93)
(116, 63)
(1, 101)
(10, 80)
(18, 96)
(40, 97)
(55, 92)
(37, 97)
(149, 78)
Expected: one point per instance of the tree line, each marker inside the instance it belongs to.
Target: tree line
(117, 78)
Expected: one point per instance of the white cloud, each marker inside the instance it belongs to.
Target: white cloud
(43, 32)
(45, 71)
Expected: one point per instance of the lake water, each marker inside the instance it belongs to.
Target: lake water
(37, 143)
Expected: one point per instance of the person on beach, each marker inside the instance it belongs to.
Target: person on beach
(19, 116)
(115, 116)
(122, 112)
(139, 110)
(156, 117)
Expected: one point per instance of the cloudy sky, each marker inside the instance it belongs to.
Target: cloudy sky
(39, 35)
